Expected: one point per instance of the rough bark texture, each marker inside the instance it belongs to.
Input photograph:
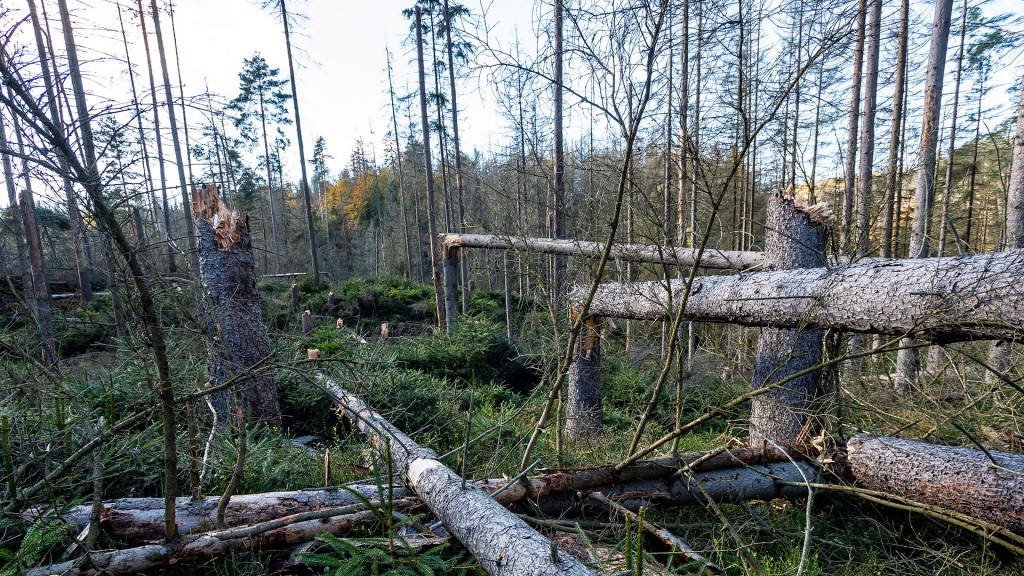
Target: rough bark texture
(435, 253)
(792, 240)
(651, 253)
(958, 479)
(924, 194)
(584, 416)
(140, 520)
(867, 135)
(976, 297)
(502, 542)
(238, 337)
(204, 546)
(851, 134)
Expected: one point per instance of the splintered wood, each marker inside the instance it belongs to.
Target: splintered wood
(227, 224)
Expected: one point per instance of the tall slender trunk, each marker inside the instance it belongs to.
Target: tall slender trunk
(146, 169)
(270, 184)
(867, 135)
(401, 174)
(895, 137)
(907, 359)
(17, 221)
(181, 92)
(90, 179)
(458, 158)
(851, 135)
(186, 203)
(431, 215)
(314, 262)
(171, 264)
(558, 175)
(40, 287)
(77, 225)
(796, 96)
(972, 173)
(947, 185)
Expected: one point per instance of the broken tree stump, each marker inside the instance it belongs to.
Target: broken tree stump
(237, 341)
(793, 239)
(584, 416)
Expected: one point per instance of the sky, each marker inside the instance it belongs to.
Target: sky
(340, 52)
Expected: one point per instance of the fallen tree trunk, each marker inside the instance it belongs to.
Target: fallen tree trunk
(140, 520)
(978, 297)
(207, 545)
(989, 486)
(649, 253)
(502, 542)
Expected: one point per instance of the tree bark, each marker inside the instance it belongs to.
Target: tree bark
(989, 486)
(649, 253)
(974, 297)
(851, 135)
(40, 287)
(867, 135)
(502, 542)
(17, 221)
(435, 263)
(238, 339)
(584, 415)
(792, 240)
(907, 358)
(314, 261)
(558, 168)
(892, 173)
(999, 352)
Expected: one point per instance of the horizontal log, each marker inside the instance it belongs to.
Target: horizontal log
(649, 253)
(140, 520)
(205, 546)
(978, 297)
(989, 486)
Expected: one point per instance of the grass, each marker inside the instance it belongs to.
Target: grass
(423, 386)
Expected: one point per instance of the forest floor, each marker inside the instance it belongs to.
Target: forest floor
(423, 384)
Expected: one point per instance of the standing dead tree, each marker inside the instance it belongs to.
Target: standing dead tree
(238, 335)
(794, 238)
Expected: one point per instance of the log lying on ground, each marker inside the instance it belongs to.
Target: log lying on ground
(960, 479)
(207, 545)
(140, 520)
(979, 297)
(650, 253)
(502, 542)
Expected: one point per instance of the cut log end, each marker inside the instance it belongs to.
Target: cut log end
(228, 226)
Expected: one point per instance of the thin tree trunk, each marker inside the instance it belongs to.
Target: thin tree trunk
(171, 264)
(999, 352)
(314, 262)
(77, 225)
(463, 272)
(270, 183)
(851, 135)
(432, 239)
(907, 358)
(186, 204)
(947, 185)
(558, 174)
(40, 287)
(895, 140)
(793, 239)
(867, 135)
